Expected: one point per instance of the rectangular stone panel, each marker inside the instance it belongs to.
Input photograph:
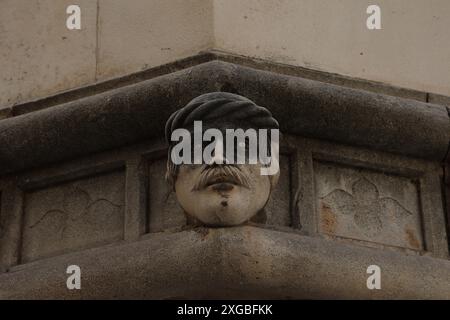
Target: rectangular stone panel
(360, 204)
(73, 215)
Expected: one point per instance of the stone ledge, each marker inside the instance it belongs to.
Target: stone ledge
(99, 87)
(240, 262)
(214, 54)
(304, 107)
(322, 76)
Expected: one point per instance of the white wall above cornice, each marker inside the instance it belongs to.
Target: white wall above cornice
(40, 57)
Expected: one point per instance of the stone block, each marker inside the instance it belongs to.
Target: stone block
(439, 99)
(230, 263)
(303, 107)
(332, 36)
(367, 205)
(370, 198)
(150, 33)
(73, 215)
(5, 113)
(39, 56)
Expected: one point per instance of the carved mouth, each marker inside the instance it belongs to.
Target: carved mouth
(221, 180)
(227, 176)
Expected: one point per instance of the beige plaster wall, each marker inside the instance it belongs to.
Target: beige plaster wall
(140, 34)
(39, 56)
(411, 50)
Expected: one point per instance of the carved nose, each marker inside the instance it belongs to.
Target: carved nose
(219, 157)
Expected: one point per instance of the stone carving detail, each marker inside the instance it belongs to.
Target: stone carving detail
(73, 215)
(165, 212)
(217, 194)
(78, 205)
(365, 205)
(369, 206)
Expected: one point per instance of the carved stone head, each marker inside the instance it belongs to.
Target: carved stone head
(220, 190)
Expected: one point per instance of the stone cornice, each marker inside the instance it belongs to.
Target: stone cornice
(240, 262)
(137, 112)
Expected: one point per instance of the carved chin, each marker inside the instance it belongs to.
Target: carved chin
(221, 208)
(222, 216)
(221, 201)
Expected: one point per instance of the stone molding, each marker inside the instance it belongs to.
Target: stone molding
(137, 112)
(260, 263)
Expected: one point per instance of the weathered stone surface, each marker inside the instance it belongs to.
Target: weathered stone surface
(303, 107)
(369, 206)
(1, 220)
(74, 215)
(39, 56)
(446, 192)
(213, 55)
(5, 113)
(278, 208)
(240, 262)
(107, 85)
(320, 75)
(151, 32)
(332, 36)
(358, 195)
(164, 211)
(360, 182)
(439, 99)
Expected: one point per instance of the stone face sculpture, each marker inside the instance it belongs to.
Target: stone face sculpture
(219, 193)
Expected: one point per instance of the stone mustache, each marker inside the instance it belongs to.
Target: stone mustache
(218, 192)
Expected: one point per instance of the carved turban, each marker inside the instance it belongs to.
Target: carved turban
(222, 109)
(217, 110)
